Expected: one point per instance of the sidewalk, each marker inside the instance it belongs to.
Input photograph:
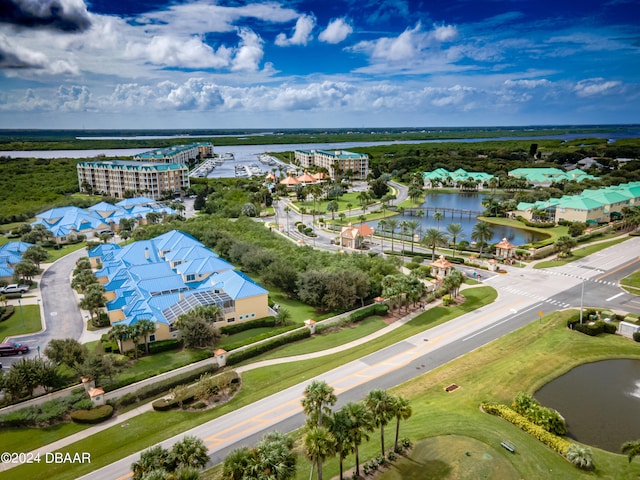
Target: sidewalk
(147, 407)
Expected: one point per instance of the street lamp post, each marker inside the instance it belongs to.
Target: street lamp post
(581, 301)
(21, 312)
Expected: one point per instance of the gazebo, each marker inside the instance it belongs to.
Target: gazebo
(441, 267)
(505, 250)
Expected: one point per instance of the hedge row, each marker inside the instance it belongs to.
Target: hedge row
(377, 309)
(48, 413)
(552, 441)
(163, 346)
(592, 329)
(521, 219)
(95, 415)
(241, 327)
(6, 312)
(250, 352)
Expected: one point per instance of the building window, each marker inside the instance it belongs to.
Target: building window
(191, 278)
(231, 319)
(152, 338)
(253, 315)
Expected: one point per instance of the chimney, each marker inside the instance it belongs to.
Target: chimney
(146, 253)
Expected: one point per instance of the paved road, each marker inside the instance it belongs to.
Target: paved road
(60, 312)
(522, 294)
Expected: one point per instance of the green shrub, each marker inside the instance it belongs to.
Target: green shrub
(636, 336)
(6, 312)
(163, 346)
(554, 442)
(241, 327)
(458, 260)
(591, 329)
(164, 404)
(376, 309)
(610, 327)
(95, 415)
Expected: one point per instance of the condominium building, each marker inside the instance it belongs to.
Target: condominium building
(115, 177)
(335, 161)
(177, 153)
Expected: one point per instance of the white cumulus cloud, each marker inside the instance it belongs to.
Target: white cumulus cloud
(250, 52)
(301, 32)
(596, 86)
(337, 30)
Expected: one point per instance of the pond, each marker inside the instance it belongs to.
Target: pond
(470, 202)
(599, 401)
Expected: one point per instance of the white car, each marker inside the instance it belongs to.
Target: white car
(14, 288)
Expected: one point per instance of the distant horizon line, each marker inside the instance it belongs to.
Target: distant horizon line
(342, 129)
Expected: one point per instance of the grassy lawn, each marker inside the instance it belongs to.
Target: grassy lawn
(142, 431)
(55, 253)
(446, 425)
(321, 205)
(632, 283)
(324, 341)
(580, 252)
(14, 324)
(552, 233)
(299, 311)
(32, 438)
(157, 363)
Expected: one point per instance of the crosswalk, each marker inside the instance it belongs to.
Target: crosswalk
(538, 298)
(583, 277)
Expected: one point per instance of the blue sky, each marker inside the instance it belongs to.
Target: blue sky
(317, 64)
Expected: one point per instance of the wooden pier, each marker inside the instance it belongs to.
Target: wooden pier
(446, 212)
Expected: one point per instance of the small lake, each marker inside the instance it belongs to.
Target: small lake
(470, 202)
(599, 401)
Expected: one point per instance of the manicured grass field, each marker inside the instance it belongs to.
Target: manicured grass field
(580, 252)
(21, 323)
(632, 283)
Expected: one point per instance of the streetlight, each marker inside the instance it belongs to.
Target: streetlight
(21, 312)
(581, 301)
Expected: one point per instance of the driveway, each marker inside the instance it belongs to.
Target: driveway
(61, 316)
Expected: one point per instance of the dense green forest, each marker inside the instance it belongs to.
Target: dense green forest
(81, 139)
(30, 186)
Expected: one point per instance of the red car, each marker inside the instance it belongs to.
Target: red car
(13, 349)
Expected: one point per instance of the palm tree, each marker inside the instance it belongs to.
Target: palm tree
(154, 458)
(276, 458)
(455, 230)
(362, 218)
(361, 424)
(146, 327)
(333, 207)
(482, 232)
(402, 411)
(580, 456)
(342, 216)
(412, 226)
(120, 332)
(379, 403)
(382, 224)
(190, 452)
(318, 397)
(341, 428)
(432, 239)
(392, 223)
(437, 216)
(564, 244)
(319, 444)
(236, 463)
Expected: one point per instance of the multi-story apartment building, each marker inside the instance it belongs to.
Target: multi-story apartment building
(342, 160)
(114, 177)
(177, 153)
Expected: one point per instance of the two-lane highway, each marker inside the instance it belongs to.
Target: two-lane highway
(522, 294)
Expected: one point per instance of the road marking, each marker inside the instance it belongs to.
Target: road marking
(496, 324)
(615, 296)
(619, 268)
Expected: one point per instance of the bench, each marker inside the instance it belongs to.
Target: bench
(508, 446)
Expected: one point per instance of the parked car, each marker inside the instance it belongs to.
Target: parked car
(13, 349)
(15, 288)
